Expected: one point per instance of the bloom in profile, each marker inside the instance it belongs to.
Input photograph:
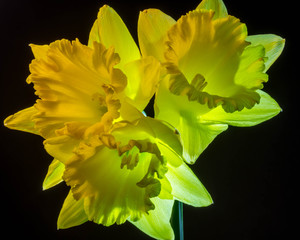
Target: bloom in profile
(214, 72)
(119, 164)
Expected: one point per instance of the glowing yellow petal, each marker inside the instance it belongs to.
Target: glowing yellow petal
(153, 25)
(250, 72)
(143, 76)
(186, 116)
(265, 110)
(129, 189)
(273, 46)
(110, 30)
(156, 131)
(54, 174)
(72, 82)
(157, 223)
(22, 121)
(200, 45)
(204, 56)
(186, 186)
(72, 213)
(61, 147)
(217, 6)
(133, 160)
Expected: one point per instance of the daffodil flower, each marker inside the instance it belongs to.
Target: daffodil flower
(214, 72)
(119, 164)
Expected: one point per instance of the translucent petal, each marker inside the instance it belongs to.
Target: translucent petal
(154, 130)
(143, 76)
(54, 174)
(61, 147)
(153, 25)
(204, 56)
(250, 72)
(110, 30)
(273, 45)
(217, 6)
(129, 190)
(185, 116)
(22, 121)
(197, 44)
(265, 110)
(186, 187)
(196, 135)
(157, 223)
(72, 213)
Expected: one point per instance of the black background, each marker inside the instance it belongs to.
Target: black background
(250, 172)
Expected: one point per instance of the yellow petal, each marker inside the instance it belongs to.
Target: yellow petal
(204, 56)
(217, 6)
(142, 80)
(130, 188)
(186, 117)
(72, 83)
(186, 187)
(200, 45)
(161, 133)
(153, 25)
(265, 110)
(110, 30)
(61, 147)
(196, 135)
(157, 223)
(72, 213)
(250, 72)
(273, 46)
(54, 174)
(39, 51)
(22, 121)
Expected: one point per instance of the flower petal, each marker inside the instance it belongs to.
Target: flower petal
(54, 174)
(157, 223)
(273, 45)
(217, 6)
(156, 131)
(203, 57)
(196, 135)
(153, 25)
(103, 161)
(39, 51)
(250, 72)
(70, 82)
(61, 147)
(110, 30)
(265, 110)
(185, 116)
(22, 121)
(197, 44)
(142, 79)
(186, 187)
(72, 213)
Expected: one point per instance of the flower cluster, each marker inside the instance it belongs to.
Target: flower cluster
(205, 72)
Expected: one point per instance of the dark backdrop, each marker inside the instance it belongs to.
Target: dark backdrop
(250, 172)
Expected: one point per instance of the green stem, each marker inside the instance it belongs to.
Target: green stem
(177, 220)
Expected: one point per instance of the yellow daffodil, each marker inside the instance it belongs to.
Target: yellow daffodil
(119, 164)
(214, 72)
